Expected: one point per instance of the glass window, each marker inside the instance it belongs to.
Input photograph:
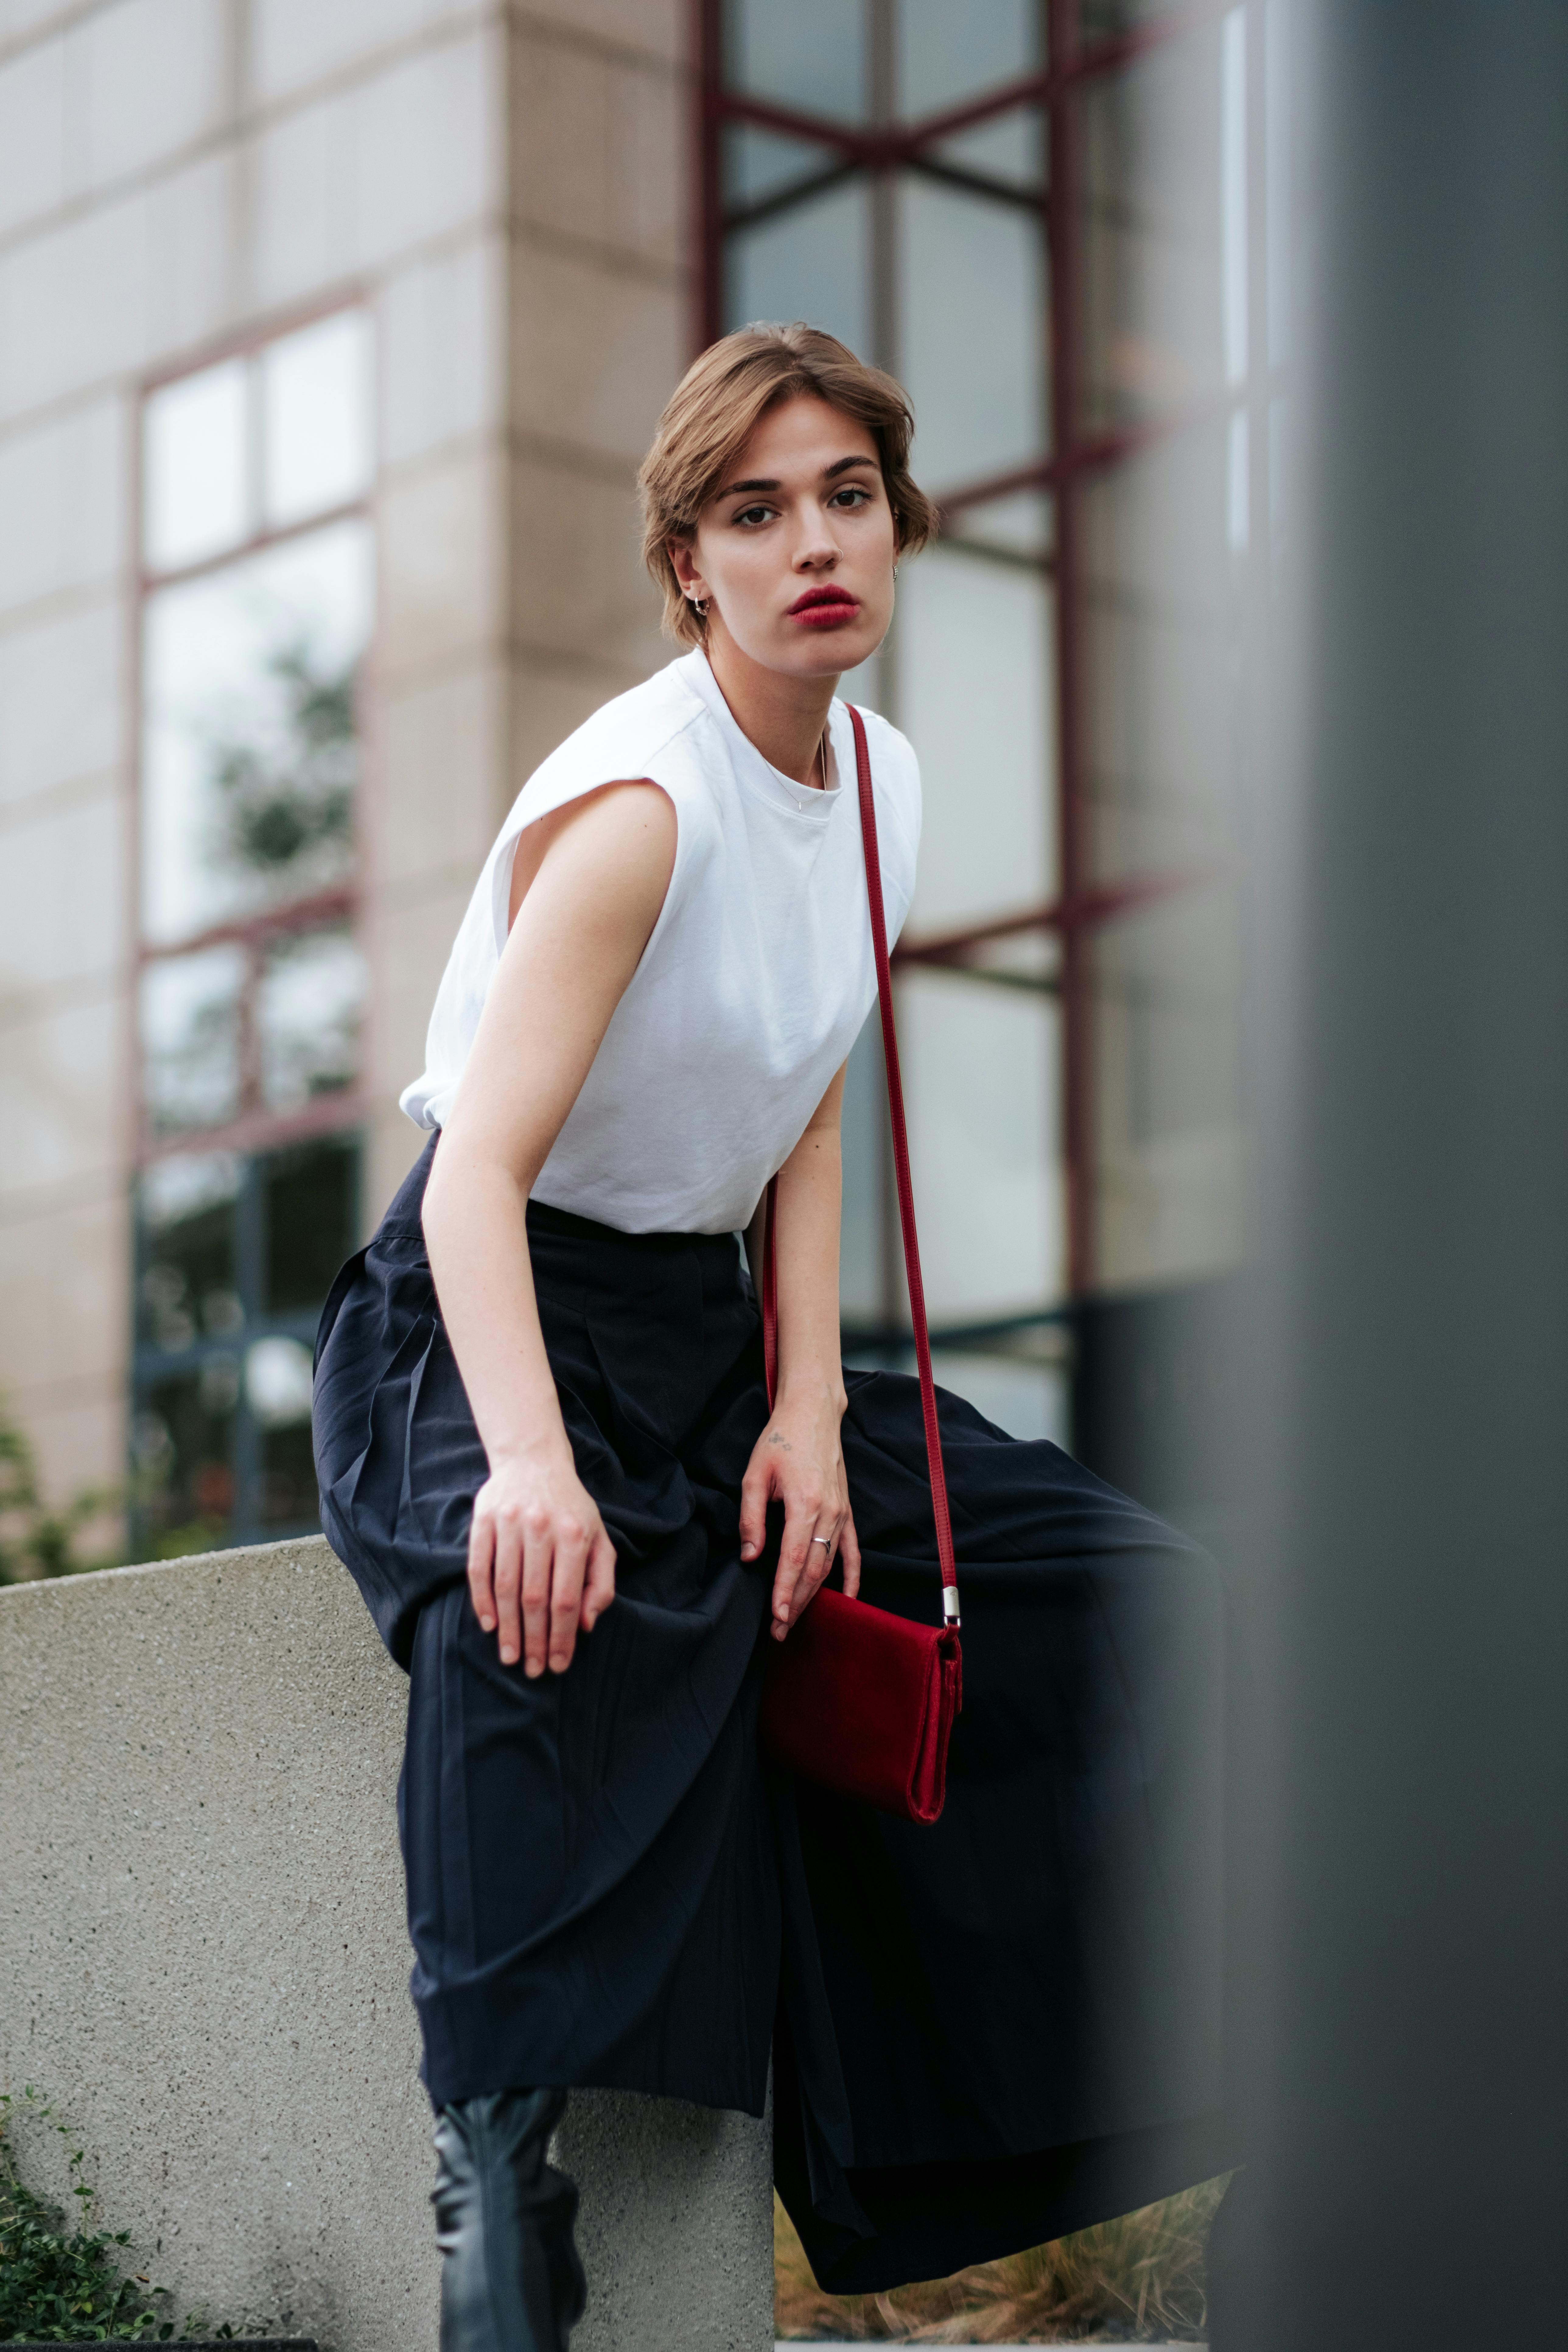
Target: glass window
(251, 984)
(235, 1258)
(1010, 148)
(309, 1209)
(812, 262)
(980, 1070)
(1027, 1400)
(308, 1008)
(1018, 526)
(971, 284)
(810, 56)
(759, 164)
(948, 54)
(188, 1288)
(316, 398)
(249, 755)
(191, 1042)
(198, 474)
(183, 1455)
(987, 844)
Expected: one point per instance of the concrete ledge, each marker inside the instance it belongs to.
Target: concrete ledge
(203, 1963)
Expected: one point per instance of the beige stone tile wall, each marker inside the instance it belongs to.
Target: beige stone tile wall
(174, 174)
(601, 323)
(505, 187)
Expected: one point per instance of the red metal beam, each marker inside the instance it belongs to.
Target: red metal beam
(1099, 905)
(263, 1131)
(1090, 453)
(294, 914)
(885, 148)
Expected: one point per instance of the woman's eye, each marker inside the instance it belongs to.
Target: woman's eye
(851, 495)
(750, 516)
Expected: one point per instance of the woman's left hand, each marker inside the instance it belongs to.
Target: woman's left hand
(798, 1459)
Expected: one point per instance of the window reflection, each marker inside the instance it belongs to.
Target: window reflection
(182, 1449)
(197, 467)
(234, 1258)
(251, 983)
(946, 53)
(308, 1008)
(982, 1079)
(811, 263)
(1011, 148)
(811, 54)
(316, 404)
(971, 284)
(987, 843)
(191, 1039)
(1019, 526)
(249, 760)
(758, 164)
(189, 1286)
(309, 1209)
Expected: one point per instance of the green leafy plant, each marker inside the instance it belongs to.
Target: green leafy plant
(35, 1538)
(60, 2284)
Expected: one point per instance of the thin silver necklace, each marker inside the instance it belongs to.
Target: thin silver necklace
(821, 760)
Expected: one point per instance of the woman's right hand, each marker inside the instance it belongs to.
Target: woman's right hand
(541, 1566)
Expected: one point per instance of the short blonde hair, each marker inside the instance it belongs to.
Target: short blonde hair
(715, 408)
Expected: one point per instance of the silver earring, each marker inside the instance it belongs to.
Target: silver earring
(699, 607)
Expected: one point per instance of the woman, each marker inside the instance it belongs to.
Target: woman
(546, 1454)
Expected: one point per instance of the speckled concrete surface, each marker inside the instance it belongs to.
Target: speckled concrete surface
(203, 1961)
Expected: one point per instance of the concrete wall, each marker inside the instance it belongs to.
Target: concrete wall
(203, 1961)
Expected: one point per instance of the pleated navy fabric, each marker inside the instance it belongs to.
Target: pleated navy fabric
(983, 2033)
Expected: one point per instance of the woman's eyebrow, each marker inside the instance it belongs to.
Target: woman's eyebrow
(829, 473)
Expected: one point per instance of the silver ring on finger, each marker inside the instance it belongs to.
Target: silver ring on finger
(822, 1541)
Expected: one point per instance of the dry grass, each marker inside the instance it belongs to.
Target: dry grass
(1142, 2276)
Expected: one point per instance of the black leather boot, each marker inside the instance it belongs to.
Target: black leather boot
(510, 2278)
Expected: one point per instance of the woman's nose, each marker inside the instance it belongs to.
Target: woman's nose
(816, 548)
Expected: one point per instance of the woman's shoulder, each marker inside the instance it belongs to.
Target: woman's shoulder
(647, 731)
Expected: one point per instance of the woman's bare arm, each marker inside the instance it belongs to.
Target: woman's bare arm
(540, 1562)
(798, 1457)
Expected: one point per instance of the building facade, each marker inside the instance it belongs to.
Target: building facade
(330, 342)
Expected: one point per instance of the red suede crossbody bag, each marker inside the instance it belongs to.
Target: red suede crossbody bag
(857, 1698)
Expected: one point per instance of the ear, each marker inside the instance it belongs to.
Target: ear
(683, 558)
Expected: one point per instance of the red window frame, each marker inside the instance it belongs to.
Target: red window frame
(1083, 906)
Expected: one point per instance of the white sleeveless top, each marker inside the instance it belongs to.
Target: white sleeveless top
(756, 977)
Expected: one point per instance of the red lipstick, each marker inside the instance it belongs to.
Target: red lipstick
(825, 608)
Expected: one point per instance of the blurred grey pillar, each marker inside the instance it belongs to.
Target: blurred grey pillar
(1404, 2044)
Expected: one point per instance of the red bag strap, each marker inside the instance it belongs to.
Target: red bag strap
(906, 1193)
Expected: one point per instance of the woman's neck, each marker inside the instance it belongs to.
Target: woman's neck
(783, 716)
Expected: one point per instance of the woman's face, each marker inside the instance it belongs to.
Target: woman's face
(795, 554)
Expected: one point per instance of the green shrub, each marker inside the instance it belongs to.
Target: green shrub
(60, 2285)
(36, 1539)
